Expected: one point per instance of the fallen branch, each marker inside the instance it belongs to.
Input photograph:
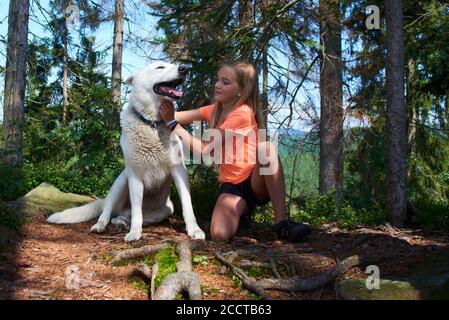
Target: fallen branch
(248, 282)
(138, 252)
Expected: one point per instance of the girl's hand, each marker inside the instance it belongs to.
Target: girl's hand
(167, 111)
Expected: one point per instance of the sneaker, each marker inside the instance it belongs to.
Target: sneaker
(291, 231)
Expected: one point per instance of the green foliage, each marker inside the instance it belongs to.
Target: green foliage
(139, 284)
(204, 187)
(433, 214)
(236, 282)
(323, 209)
(82, 156)
(263, 214)
(10, 218)
(365, 166)
(81, 180)
(254, 296)
(258, 272)
(201, 259)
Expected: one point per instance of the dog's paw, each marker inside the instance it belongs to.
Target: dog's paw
(120, 224)
(99, 227)
(196, 233)
(133, 236)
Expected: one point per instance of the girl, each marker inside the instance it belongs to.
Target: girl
(242, 186)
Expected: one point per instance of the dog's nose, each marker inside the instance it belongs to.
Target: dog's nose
(183, 70)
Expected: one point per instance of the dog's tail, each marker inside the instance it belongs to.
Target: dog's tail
(84, 213)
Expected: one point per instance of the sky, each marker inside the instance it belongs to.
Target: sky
(133, 59)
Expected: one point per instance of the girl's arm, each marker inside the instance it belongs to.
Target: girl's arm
(196, 145)
(187, 117)
(167, 112)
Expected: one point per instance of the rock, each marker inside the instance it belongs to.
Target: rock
(46, 199)
(429, 279)
(421, 287)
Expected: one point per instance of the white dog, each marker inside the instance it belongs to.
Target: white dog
(153, 159)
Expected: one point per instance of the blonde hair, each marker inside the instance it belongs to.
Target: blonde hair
(247, 79)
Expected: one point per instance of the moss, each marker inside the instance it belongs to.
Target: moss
(122, 263)
(255, 296)
(139, 284)
(258, 271)
(429, 286)
(105, 257)
(205, 289)
(166, 259)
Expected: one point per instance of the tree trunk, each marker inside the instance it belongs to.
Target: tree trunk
(446, 112)
(246, 23)
(117, 55)
(396, 115)
(413, 118)
(264, 96)
(65, 93)
(331, 94)
(13, 106)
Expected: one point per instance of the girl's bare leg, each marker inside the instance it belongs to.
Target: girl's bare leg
(226, 216)
(271, 185)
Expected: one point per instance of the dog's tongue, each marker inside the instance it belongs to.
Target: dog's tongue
(170, 91)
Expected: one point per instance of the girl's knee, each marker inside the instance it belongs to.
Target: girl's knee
(219, 234)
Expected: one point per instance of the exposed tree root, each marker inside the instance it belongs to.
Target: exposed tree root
(248, 282)
(183, 280)
(295, 283)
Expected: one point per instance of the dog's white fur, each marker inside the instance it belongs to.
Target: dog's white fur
(141, 193)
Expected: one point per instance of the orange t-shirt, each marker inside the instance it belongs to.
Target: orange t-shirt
(239, 157)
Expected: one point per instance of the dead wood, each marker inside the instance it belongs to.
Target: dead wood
(138, 252)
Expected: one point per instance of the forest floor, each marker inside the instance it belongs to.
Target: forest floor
(34, 262)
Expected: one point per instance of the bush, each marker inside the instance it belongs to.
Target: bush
(76, 179)
(10, 218)
(433, 214)
(204, 187)
(323, 209)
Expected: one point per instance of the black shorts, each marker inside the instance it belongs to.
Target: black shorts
(244, 191)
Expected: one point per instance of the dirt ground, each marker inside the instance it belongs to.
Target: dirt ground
(34, 264)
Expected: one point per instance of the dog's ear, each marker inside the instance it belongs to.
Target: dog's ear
(129, 80)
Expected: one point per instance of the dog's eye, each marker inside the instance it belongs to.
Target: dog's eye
(160, 67)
